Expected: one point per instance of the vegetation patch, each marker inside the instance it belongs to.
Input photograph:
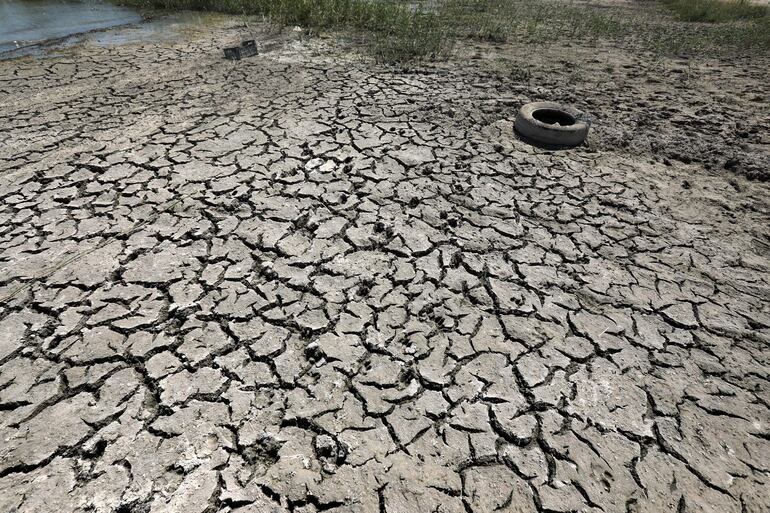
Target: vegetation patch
(716, 11)
(738, 25)
(394, 30)
(400, 30)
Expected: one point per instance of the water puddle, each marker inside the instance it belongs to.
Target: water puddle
(25, 24)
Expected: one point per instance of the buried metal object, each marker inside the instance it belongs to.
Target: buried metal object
(551, 124)
(236, 53)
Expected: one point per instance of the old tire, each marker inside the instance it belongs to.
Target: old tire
(551, 124)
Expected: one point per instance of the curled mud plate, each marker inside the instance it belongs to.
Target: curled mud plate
(551, 124)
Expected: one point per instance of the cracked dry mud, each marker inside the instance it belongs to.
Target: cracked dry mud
(306, 283)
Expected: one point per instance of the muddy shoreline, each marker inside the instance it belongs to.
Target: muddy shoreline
(26, 24)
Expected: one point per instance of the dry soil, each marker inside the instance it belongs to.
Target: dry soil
(306, 282)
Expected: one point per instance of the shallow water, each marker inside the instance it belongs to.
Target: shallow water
(28, 22)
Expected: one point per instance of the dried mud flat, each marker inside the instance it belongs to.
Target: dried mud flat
(305, 282)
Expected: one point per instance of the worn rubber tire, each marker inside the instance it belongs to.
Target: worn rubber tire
(555, 135)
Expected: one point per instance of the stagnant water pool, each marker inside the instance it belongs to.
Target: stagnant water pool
(28, 22)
